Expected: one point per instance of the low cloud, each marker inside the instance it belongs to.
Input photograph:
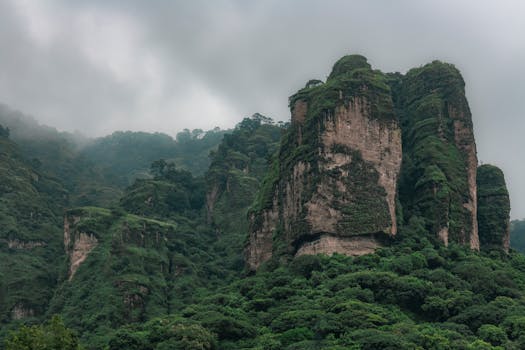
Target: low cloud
(100, 66)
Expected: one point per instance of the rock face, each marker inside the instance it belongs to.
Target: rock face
(77, 244)
(20, 311)
(493, 208)
(439, 160)
(334, 187)
(24, 245)
(123, 256)
(368, 152)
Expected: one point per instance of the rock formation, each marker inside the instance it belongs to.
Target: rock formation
(77, 244)
(439, 160)
(493, 208)
(334, 186)
(341, 182)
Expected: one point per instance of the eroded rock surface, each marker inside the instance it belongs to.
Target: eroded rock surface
(439, 151)
(493, 208)
(338, 170)
(351, 246)
(78, 245)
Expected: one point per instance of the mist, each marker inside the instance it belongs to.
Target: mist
(98, 66)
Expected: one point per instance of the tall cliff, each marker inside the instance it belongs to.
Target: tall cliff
(493, 208)
(439, 158)
(333, 187)
(342, 181)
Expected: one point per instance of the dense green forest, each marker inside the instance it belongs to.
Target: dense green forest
(137, 240)
(96, 171)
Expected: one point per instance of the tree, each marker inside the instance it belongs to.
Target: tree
(157, 168)
(50, 336)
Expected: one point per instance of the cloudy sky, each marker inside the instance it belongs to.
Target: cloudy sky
(100, 66)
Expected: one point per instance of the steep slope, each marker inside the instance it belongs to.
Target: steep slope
(493, 208)
(124, 268)
(30, 235)
(334, 186)
(233, 179)
(439, 153)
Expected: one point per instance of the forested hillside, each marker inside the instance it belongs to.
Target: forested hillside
(363, 224)
(31, 248)
(96, 171)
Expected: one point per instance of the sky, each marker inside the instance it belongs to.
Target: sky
(159, 65)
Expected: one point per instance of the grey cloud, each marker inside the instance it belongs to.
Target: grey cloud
(217, 61)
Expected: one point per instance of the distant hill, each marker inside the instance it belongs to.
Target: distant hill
(96, 171)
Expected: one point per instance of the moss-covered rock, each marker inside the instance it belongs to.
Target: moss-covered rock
(337, 170)
(493, 208)
(439, 152)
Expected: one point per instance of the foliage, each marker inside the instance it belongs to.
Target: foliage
(171, 192)
(434, 183)
(163, 334)
(233, 179)
(145, 268)
(164, 270)
(30, 235)
(52, 335)
(299, 166)
(370, 302)
(493, 207)
(125, 156)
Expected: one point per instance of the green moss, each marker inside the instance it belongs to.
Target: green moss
(347, 64)
(366, 210)
(434, 183)
(493, 207)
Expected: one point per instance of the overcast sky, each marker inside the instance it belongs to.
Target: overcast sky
(101, 66)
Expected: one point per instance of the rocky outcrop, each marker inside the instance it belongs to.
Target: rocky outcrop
(78, 245)
(20, 311)
(328, 244)
(439, 160)
(24, 245)
(335, 185)
(493, 208)
(261, 239)
(337, 188)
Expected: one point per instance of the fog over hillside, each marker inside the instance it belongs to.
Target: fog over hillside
(99, 67)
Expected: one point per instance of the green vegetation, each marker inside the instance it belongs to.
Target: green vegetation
(434, 183)
(171, 192)
(233, 179)
(30, 235)
(125, 156)
(493, 208)
(144, 268)
(53, 335)
(96, 171)
(363, 209)
(416, 294)
(161, 266)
